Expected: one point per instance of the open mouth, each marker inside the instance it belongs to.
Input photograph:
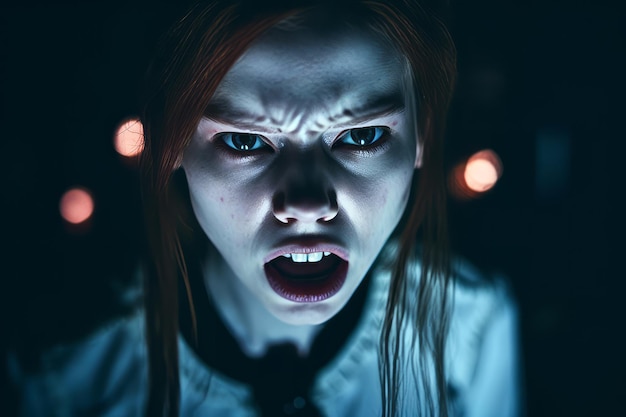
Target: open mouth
(306, 277)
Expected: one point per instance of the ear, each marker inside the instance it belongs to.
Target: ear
(419, 148)
(179, 163)
(419, 143)
(418, 154)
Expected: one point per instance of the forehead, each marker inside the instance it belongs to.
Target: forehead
(312, 74)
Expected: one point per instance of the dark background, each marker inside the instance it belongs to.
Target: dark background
(540, 84)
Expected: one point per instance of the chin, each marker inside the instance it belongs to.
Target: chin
(309, 314)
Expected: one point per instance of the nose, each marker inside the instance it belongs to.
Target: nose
(305, 207)
(305, 195)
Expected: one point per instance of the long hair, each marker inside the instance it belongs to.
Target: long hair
(191, 61)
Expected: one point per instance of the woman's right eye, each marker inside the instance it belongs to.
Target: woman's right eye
(243, 142)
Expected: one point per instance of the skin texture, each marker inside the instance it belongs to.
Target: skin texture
(302, 91)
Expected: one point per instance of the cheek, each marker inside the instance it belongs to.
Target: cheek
(377, 204)
(227, 204)
(394, 196)
(388, 181)
(224, 218)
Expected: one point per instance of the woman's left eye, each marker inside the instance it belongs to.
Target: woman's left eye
(362, 137)
(243, 142)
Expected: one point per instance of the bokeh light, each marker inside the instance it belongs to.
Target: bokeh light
(476, 175)
(128, 139)
(76, 205)
(480, 174)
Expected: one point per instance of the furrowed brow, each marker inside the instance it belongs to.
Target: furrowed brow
(221, 111)
(375, 109)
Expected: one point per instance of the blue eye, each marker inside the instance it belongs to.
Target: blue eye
(243, 142)
(362, 137)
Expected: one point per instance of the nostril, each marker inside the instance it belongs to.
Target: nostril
(278, 208)
(331, 209)
(305, 207)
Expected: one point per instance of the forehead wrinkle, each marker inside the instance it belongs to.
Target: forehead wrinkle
(271, 91)
(374, 108)
(294, 120)
(228, 116)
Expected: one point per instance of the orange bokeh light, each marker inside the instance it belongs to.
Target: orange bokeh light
(482, 171)
(128, 139)
(76, 205)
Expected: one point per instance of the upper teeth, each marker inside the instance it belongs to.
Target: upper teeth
(306, 257)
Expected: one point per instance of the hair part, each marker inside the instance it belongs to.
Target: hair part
(194, 57)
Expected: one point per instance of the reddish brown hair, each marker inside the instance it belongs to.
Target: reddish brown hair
(192, 60)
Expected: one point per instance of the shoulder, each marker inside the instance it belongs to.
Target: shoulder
(473, 293)
(478, 300)
(102, 374)
(477, 296)
(482, 350)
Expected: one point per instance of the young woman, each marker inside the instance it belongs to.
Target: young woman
(293, 161)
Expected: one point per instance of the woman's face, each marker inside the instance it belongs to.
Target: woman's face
(304, 167)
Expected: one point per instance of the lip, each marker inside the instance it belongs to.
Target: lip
(307, 291)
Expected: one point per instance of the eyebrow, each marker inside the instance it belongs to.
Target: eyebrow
(384, 106)
(222, 111)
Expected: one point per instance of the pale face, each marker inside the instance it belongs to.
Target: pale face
(309, 148)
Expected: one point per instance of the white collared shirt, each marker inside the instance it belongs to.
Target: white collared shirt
(106, 373)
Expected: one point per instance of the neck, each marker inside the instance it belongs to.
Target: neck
(251, 324)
